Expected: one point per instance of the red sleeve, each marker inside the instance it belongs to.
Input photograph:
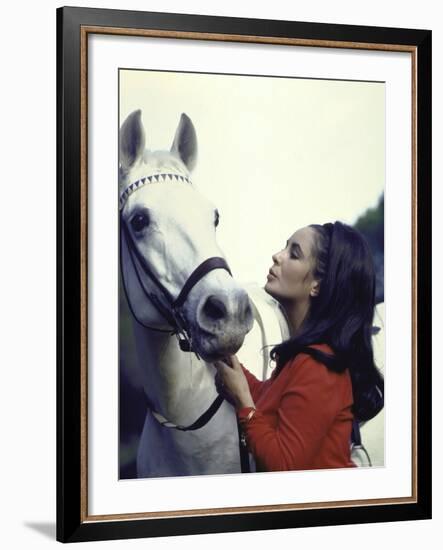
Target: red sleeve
(256, 386)
(308, 406)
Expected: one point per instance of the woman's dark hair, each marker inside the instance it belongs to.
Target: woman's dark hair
(341, 315)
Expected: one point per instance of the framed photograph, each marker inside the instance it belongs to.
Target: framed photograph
(211, 173)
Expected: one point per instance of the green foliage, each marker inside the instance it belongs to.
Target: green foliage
(371, 224)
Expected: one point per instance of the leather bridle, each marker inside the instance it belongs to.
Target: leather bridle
(170, 308)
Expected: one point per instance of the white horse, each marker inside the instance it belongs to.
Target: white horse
(177, 281)
(182, 297)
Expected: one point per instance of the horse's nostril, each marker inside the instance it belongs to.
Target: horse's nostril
(214, 308)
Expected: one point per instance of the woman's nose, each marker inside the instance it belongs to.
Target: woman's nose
(276, 257)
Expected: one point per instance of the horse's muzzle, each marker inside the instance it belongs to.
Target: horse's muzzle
(223, 319)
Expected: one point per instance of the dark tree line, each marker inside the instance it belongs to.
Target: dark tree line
(372, 225)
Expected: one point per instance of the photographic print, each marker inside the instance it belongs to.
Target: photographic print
(244, 260)
(230, 166)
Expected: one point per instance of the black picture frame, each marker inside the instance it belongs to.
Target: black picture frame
(72, 519)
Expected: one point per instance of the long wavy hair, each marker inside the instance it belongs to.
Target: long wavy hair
(341, 315)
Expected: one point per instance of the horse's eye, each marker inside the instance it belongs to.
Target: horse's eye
(217, 218)
(139, 222)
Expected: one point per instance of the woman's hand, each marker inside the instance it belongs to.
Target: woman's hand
(231, 382)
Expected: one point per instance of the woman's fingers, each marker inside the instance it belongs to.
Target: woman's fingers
(235, 362)
(221, 374)
(220, 363)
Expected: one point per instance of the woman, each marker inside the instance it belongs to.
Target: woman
(301, 417)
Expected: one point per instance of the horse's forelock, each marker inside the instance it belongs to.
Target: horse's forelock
(164, 161)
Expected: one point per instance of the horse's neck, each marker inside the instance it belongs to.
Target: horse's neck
(180, 386)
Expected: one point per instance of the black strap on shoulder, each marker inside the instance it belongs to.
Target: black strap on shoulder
(355, 434)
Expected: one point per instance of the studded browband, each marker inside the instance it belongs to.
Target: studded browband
(155, 178)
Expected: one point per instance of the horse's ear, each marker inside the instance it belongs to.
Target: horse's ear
(185, 142)
(131, 139)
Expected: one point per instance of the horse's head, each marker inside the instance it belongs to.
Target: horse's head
(168, 230)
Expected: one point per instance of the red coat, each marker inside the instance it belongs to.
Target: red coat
(303, 419)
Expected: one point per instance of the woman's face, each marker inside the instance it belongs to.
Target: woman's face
(290, 278)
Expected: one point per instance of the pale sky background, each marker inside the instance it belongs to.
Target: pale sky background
(275, 154)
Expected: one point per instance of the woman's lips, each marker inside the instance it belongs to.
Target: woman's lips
(271, 275)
